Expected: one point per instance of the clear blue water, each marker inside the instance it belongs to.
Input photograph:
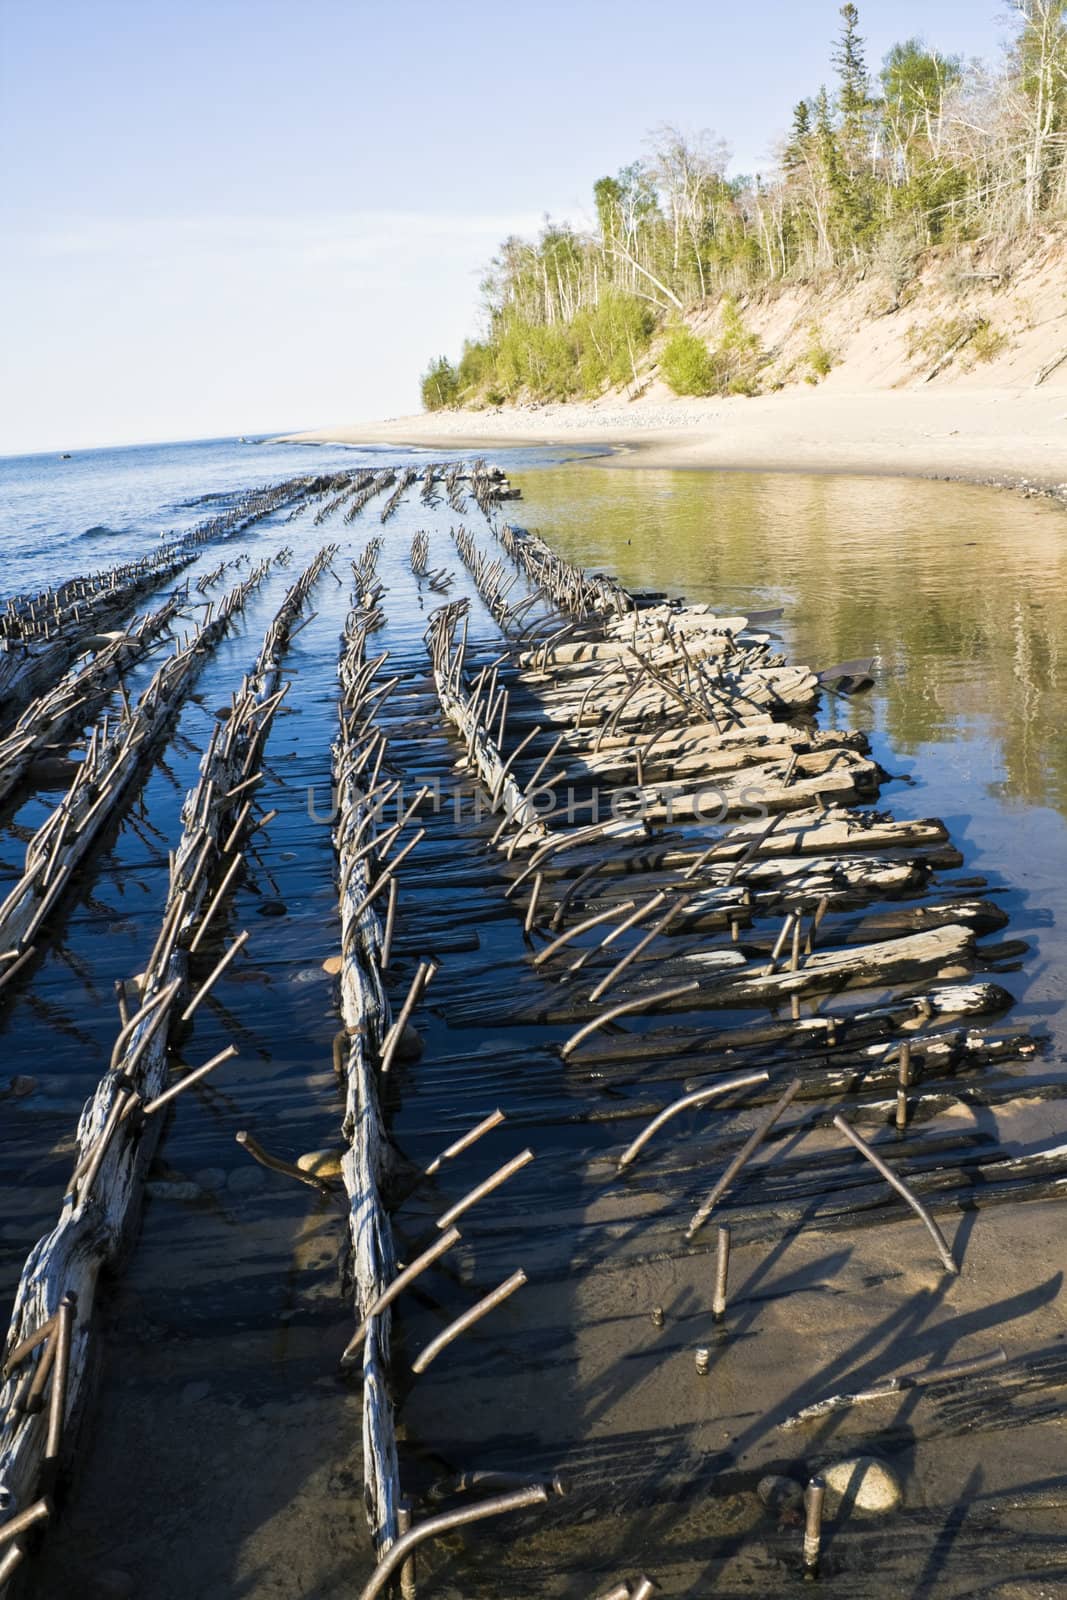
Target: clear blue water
(61, 516)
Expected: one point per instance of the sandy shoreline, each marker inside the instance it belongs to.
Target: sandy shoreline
(1015, 437)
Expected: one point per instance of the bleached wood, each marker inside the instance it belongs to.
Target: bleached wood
(366, 1016)
(97, 1220)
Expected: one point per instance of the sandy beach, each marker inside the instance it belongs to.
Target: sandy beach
(1015, 437)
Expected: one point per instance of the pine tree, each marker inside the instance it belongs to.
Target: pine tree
(854, 95)
(799, 135)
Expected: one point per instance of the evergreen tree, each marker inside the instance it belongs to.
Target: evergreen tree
(440, 385)
(799, 134)
(946, 154)
(854, 94)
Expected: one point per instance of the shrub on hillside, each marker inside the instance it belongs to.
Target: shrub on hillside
(987, 342)
(600, 345)
(818, 355)
(687, 365)
(739, 355)
(440, 385)
(975, 338)
(731, 367)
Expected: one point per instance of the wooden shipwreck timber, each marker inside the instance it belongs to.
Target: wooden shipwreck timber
(635, 978)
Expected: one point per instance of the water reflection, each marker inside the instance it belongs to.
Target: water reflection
(956, 590)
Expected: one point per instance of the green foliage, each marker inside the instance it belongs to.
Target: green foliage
(739, 354)
(690, 366)
(599, 346)
(915, 79)
(986, 343)
(933, 340)
(440, 385)
(976, 337)
(686, 363)
(817, 354)
(854, 96)
(941, 154)
(477, 374)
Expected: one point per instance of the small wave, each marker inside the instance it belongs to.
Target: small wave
(100, 530)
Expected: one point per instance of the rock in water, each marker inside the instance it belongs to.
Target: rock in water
(782, 1496)
(321, 1163)
(165, 1189)
(862, 1482)
(410, 1045)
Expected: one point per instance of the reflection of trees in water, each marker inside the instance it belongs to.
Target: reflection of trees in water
(957, 589)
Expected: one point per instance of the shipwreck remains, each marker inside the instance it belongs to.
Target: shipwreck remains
(619, 927)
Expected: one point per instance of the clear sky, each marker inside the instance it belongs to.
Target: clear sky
(222, 216)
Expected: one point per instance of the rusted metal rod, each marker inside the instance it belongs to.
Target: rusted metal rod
(751, 1144)
(423, 975)
(33, 1400)
(26, 1346)
(501, 1175)
(57, 1408)
(698, 1098)
(397, 1287)
(904, 1082)
(397, 1554)
(580, 927)
(387, 873)
(531, 909)
(722, 1272)
(493, 1120)
(161, 998)
(490, 1301)
(87, 1177)
(902, 1189)
(40, 1511)
(814, 1495)
(11, 1559)
(215, 973)
(390, 923)
(631, 955)
(277, 1164)
(190, 1078)
(640, 1003)
(922, 1379)
(216, 901)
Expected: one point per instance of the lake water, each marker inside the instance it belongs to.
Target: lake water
(223, 1334)
(957, 593)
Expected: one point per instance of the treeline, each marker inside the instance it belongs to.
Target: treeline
(932, 150)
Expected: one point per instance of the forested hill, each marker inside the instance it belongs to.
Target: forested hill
(927, 165)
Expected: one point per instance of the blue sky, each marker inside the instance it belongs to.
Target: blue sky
(233, 217)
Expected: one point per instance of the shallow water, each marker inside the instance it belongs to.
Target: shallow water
(223, 1336)
(956, 591)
